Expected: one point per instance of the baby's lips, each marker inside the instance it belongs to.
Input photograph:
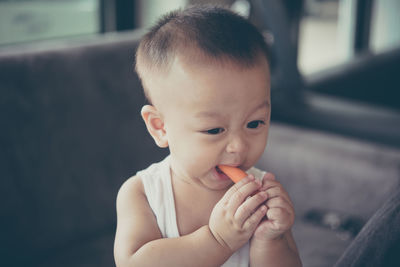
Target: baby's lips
(234, 173)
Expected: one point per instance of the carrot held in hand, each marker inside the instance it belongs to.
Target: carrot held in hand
(234, 173)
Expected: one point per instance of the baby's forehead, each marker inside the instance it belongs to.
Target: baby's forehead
(191, 56)
(190, 64)
(205, 84)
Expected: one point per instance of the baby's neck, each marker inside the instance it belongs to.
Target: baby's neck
(193, 204)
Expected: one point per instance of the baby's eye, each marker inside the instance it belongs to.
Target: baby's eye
(214, 131)
(255, 124)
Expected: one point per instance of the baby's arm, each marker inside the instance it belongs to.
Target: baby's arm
(139, 242)
(273, 243)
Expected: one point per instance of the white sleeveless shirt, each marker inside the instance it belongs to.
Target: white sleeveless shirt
(157, 184)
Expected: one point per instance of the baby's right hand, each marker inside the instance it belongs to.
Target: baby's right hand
(236, 216)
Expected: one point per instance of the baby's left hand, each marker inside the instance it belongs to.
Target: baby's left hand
(280, 213)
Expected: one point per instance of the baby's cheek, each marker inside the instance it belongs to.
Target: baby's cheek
(257, 149)
(198, 164)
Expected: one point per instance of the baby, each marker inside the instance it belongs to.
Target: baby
(205, 73)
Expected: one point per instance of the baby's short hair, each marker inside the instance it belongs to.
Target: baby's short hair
(217, 33)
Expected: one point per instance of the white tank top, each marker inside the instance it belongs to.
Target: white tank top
(157, 184)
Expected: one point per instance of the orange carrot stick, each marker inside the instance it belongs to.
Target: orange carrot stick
(234, 173)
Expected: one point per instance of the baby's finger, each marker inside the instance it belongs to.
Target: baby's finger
(249, 207)
(279, 192)
(280, 219)
(269, 176)
(238, 197)
(268, 183)
(274, 189)
(252, 222)
(279, 202)
(234, 188)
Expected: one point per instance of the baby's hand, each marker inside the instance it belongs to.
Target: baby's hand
(236, 216)
(280, 213)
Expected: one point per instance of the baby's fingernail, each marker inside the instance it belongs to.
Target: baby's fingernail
(264, 208)
(258, 182)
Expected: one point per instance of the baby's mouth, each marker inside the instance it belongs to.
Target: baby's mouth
(218, 169)
(221, 174)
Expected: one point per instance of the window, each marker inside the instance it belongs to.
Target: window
(150, 10)
(29, 20)
(335, 31)
(320, 36)
(385, 22)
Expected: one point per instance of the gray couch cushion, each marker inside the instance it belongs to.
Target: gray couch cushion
(341, 177)
(71, 133)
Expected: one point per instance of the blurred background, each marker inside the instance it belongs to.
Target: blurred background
(71, 132)
(325, 35)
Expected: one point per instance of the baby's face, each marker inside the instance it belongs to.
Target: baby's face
(214, 114)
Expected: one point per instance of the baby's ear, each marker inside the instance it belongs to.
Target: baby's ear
(155, 125)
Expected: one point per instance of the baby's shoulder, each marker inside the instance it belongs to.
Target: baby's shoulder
(130, 190)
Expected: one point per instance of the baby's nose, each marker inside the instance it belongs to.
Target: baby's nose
(237, 144)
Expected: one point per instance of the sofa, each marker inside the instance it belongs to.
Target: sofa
(71, 134)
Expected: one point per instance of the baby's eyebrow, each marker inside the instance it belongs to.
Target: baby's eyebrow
(263, 105)
(211, 114)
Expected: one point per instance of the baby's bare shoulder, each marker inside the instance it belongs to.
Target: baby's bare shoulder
(131, 194)
(131, 186)
(136, 223)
